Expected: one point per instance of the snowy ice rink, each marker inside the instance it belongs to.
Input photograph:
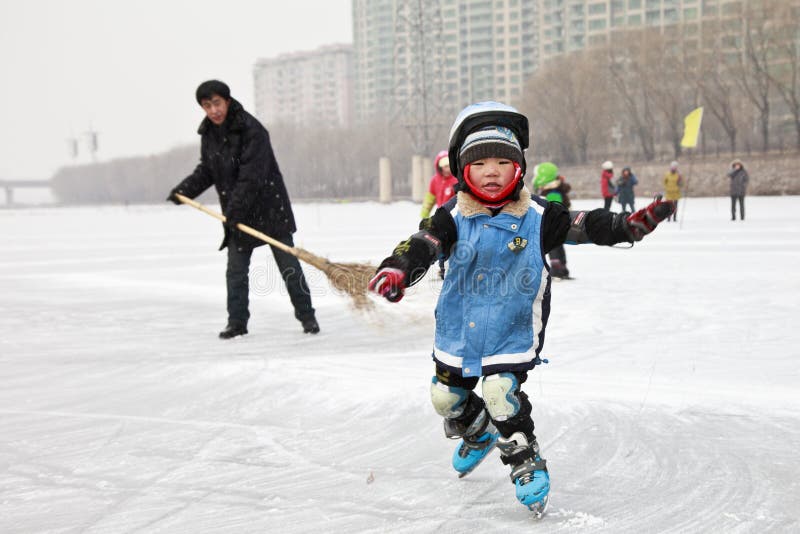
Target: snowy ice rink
(670, 403)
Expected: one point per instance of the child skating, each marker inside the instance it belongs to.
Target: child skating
(548, 183)
(495, 300)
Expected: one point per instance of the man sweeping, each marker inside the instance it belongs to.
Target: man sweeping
(236, 157)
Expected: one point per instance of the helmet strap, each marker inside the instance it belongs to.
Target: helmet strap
(499, 199)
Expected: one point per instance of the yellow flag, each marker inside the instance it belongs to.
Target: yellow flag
(691, 128)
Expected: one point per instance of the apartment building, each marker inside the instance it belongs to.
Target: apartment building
(568, 25)
(447, 53)
(314, 87)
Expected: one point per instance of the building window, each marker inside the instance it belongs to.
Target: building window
(596, 9)
(734, 8)
(597, 24)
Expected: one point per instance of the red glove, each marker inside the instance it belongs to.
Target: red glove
(389, 283)
(645, 220)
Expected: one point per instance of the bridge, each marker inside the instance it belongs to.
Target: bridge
(10, 185)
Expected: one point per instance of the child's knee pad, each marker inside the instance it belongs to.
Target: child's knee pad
(448, 401)
(501, 395)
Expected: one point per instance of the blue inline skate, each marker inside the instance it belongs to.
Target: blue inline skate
(528, 471)
(471, 451)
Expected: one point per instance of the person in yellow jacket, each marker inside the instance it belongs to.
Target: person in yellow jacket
(673, 185)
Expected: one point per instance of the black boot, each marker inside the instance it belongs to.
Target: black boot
(310, 326)
(233, 330)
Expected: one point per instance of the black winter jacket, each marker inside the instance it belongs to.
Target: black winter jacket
(559, 226)
(237, 159)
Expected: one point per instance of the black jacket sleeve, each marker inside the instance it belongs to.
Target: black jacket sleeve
(436, 238)
(193, 185)
(601, 227)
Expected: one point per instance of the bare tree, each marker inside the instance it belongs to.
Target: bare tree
(665, 71)
(784, 70)
(750, 73)
(420, 99)
(627, 65)
(566, 100)
(717, 89)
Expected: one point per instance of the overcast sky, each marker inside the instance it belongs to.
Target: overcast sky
(129, 68)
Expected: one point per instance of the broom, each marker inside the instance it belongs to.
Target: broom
(352, 278)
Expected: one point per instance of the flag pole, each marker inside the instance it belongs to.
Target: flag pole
(691, 130)
(688, 180)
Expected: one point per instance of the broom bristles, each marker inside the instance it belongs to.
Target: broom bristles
(350, 278)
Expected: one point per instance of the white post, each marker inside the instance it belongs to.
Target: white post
(385, 180)
(416, 178)
(427, 171)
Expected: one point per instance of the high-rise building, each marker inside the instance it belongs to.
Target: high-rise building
(374, 56)
(314, 87)
(491, 47)
(568, 25)
(445, 53)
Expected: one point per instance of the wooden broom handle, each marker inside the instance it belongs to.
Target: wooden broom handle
(244, 228)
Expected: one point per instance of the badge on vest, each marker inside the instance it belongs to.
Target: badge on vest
(517, 245)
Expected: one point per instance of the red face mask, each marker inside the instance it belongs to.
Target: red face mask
(496, 200)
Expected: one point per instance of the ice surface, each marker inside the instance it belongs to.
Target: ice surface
(670, 404)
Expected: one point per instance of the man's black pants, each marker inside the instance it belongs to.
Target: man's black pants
(238, 282)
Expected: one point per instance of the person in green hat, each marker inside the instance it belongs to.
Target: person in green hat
(553, 187)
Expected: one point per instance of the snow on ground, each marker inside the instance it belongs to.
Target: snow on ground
(670, 403)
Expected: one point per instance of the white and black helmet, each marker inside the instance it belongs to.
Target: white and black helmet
(479, 116)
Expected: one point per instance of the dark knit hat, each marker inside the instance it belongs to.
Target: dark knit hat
(207, 90)
(490, 142)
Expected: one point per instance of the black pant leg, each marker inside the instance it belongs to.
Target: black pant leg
(295, 280)
(237, 277)
(607, 202)
(741, 207)
(558, 262)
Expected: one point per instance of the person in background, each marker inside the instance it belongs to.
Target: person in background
(625, 184)
(442, 187)
(739, 179)
(236, 157)
(673, 185)
(607, 188)
(554, 188)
